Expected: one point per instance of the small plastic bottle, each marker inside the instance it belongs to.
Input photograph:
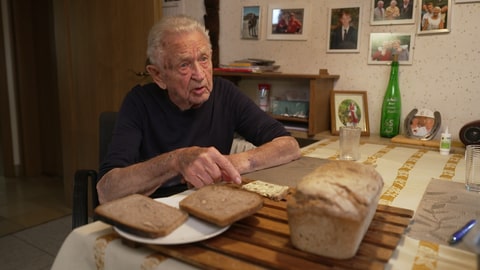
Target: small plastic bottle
(264, 96)
(445, 142)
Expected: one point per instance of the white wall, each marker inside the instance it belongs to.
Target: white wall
(444, 75)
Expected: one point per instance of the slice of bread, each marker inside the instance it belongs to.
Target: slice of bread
(141, 215)
(221, 204)
(269, 190)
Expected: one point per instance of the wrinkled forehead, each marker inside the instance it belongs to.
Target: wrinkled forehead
(185, 41)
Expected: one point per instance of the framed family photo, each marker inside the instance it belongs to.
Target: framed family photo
(344, 26)
(435, 17)
(349, 108)
(250, 22)
(385, 12)
(288, 21)
(384, 45)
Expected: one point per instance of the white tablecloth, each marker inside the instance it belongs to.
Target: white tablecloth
(406, 173)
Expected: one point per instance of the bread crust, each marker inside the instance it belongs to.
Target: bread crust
(141, 215)
(332, 208)
(221, 204)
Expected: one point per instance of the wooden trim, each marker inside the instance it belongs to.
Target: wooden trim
(5, 129)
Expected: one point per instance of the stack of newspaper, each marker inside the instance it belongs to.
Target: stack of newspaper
(253, 65)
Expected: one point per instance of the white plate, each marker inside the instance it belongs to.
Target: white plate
(193, 230)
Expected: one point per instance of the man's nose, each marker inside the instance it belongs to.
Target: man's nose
(197, 71)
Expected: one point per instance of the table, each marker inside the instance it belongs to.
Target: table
(407, 173)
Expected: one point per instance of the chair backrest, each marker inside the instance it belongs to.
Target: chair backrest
(107, 123)
(81, 203)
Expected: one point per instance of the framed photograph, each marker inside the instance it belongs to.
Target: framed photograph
(171, 3)
(344, 25)
(393, 12)
(422, 124)
(349, 108)
(435, 17)
(288, 21)
(250, 22)
(384, 45)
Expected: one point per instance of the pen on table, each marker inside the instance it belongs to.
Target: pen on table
(458, 235)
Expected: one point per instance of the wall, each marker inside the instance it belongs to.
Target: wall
(444, 75)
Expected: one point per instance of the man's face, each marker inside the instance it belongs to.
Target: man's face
(187, 72)
(345, 19)
(430, 7)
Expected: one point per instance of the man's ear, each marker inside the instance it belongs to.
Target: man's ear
(156, 75)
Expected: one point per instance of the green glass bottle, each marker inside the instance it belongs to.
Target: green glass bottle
(392, 104)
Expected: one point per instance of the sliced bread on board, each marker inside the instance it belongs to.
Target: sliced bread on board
(269, 190)
(221, 204)
(141, 215)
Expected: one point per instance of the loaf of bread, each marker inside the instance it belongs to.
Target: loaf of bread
(333, 207)
(221, 204)
(141, 215)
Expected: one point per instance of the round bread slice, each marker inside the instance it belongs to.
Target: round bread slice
(221, 204)
(141, 215)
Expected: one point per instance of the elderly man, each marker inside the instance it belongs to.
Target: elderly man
(379, 11)
(178, 131)
(406, 10)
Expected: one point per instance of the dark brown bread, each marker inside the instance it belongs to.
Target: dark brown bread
(221, 204)
(141, 215)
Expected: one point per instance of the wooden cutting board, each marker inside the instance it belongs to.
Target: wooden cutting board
(262, 241)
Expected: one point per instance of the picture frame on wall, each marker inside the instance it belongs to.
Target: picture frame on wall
(171, 3)
(386, 12)
(435, 17)
(288, 21)
(349, 108)
(344, 26)
(251, 22)
(384, 45)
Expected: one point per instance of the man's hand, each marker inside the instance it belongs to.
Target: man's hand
(202, 166)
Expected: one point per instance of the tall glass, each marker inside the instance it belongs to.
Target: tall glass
(472, 169)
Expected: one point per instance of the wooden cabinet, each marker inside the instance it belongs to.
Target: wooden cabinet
(315, 87)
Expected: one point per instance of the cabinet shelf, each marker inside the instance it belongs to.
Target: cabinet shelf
(318, 87)
(289, 119)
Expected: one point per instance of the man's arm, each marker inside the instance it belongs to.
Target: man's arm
(279, 151)
(198, 165)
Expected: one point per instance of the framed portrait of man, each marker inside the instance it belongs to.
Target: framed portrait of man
(344, 28)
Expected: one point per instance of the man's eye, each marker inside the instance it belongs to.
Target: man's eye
(184, 65)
